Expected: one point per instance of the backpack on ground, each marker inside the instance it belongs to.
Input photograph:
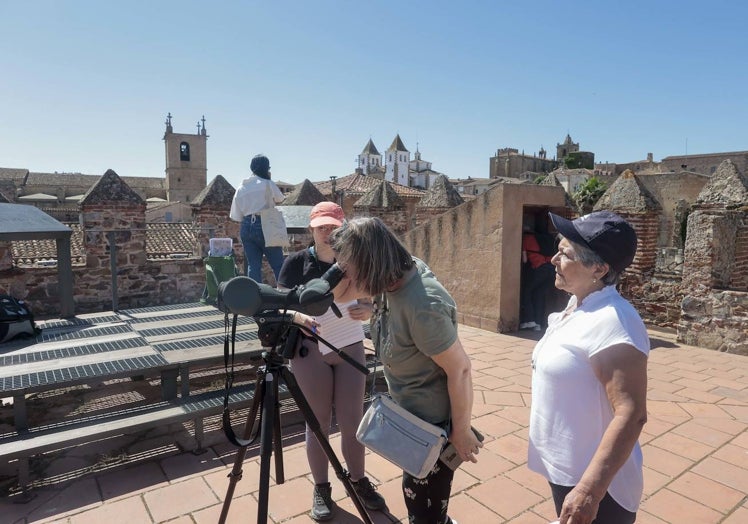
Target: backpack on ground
(16, 319)
(217, 270)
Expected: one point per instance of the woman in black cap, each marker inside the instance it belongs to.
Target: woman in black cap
(256, 193)
(589, 378)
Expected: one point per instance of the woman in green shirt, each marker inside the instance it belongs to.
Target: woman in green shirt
(414, 330)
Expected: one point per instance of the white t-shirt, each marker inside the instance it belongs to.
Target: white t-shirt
(251, 197)
(570, 409)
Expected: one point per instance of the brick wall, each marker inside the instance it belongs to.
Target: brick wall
(739, 276)
(118, 224)
(647, 227)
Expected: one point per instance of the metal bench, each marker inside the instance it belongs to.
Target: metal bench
(168, 342)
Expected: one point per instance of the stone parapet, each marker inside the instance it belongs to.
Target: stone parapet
(716, 320)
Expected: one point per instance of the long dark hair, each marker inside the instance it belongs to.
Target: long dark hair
(260, 166)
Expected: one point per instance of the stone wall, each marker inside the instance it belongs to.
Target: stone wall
(706, 164)
(396, 219)
(714, 310)
(474, 250)
(657, 298)
(112, 219)
(675, 192)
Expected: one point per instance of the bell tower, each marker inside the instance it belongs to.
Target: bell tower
(186, 162)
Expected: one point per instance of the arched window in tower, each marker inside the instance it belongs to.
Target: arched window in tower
(184, 151)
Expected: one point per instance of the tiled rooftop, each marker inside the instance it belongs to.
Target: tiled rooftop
(695, 448)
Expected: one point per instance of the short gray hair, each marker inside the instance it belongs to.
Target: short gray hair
(589, 258)
(374, 250)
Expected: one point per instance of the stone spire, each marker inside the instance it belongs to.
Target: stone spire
(727, 188)
(441, 194)
(627, 193)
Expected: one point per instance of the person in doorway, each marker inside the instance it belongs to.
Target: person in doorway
(415, 333)
(589, 379)
(324, 377)
(256, 193)
(538, 276)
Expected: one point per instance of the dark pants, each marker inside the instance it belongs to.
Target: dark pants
(535, 285)
(609, 512)
(427, 499)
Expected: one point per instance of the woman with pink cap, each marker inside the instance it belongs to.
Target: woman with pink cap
(324, 378)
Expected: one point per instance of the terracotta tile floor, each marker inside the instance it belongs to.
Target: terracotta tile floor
(695, 453)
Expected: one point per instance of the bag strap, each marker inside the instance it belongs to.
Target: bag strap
(381, 309)
(269, 202)
(226, 418)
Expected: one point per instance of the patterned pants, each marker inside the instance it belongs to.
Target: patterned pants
(427, 499)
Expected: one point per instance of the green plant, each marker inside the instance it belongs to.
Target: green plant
(588, 194)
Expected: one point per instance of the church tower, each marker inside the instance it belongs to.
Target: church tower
(397, 159)
(569, 146)
(186, 162)
(369, 160)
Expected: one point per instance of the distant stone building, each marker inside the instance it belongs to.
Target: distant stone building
(167, 198)
(397, 166)
(703, 164)
(186, 162)
(509, 163)
(566, 147)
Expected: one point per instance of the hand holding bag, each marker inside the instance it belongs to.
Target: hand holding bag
(273, 224)
(397, 435)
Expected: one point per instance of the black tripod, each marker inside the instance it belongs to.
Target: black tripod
(266, 401)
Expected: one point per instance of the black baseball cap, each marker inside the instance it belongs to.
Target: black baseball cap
(605, 233)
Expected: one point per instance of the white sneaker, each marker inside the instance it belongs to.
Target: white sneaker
(528, 325)
(536, 328)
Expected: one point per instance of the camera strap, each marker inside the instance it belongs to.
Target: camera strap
(228, 364)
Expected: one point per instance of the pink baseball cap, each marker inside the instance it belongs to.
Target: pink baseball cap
(326, 213)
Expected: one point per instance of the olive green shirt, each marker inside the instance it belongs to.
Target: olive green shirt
(412, 324)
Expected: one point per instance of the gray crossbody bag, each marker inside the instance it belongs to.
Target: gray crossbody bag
(399, 436)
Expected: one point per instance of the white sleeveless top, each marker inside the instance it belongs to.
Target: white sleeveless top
(570, 409)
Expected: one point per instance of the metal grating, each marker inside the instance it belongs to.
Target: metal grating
(75, 322)
(191, 327)
(153, 309)
(81, 372)
(89, 333)
(202, 342)
(175, 316)
(75, 351)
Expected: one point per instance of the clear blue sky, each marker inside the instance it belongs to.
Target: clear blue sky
(86, 85)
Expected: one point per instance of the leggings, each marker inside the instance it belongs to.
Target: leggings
(427, 499)
(327, 381)
(609, 512)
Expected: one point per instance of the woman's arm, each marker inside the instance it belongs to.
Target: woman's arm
(456, 364)
(622, 369)
(278, 195)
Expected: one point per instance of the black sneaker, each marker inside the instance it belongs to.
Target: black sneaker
(322, 503)
(368, 494)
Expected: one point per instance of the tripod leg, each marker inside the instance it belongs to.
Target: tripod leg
(236, 471)
(280, 477)
(313, 424)
(266, 444)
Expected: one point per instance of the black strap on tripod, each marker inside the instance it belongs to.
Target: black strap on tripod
(227, 429)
